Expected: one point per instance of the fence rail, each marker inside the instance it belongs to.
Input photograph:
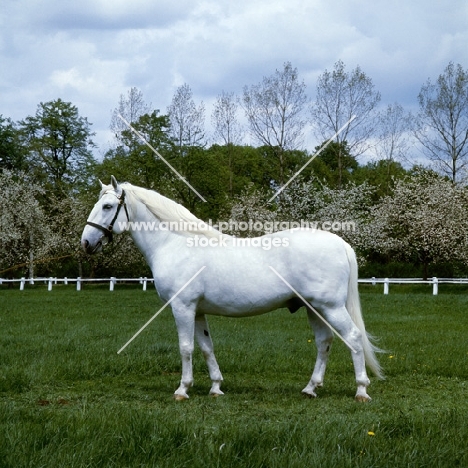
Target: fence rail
(79, 281)
(434, 281)
(144, 282)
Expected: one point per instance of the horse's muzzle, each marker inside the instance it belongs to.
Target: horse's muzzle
(92, 249)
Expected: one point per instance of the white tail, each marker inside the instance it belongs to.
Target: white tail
(353, 304)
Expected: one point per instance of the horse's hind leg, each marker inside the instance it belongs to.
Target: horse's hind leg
(340, 320)
(323, 341)
(202, 334)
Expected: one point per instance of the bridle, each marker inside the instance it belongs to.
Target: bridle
(108, 231)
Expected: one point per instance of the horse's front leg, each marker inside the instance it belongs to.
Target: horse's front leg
(185, 321)
(203, 336)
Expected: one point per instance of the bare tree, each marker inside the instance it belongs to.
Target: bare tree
(187, 121)
(393, 138)
(342, 95)
(224, 119)
(274, 110)
(442, 123)
(186, 130)
(393, 135)
(131, 107)
(227, 127)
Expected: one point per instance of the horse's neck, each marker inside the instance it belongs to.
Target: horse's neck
(147, 235)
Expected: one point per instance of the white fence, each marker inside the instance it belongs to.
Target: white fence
(80, 282)
(434, 281)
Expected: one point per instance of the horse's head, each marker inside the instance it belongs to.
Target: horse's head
(105, 218)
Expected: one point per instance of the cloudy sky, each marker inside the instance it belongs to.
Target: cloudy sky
(89, 52)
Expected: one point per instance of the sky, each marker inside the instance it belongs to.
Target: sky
(91, 52)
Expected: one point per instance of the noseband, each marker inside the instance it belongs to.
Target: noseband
(108, 230)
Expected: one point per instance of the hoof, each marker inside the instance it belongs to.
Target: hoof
(308, 394)
(362, 398)
(180, 397)
(215, 391)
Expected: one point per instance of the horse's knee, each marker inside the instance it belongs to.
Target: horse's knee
(186, 348)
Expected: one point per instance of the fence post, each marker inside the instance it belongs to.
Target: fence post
(373, 281)
(385, 286)
(112, 283)
(22, 284)
(49, 285)
(78, 283)
(144, 283)
(65, 281)
(435, 286)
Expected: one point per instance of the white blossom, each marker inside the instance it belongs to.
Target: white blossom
(25, 231)
(424, 221)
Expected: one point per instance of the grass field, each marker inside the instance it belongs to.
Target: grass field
(68, 400)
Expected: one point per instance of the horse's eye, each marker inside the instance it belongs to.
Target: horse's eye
(107, 207)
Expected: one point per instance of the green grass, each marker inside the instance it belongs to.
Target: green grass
(68, 400)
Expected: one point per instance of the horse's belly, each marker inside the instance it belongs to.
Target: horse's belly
(238, 307)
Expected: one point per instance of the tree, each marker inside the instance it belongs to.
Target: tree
(227, 128)
(424, 221)
(133, 160)
(339, 164)
(392, 138)
(392, 134)
(67, 216)
(343, 211)
(442, 123)
(12, 154)
(186, 119)
(242, 165)
(131, 108)
(274, 110)
(342, 95)
(249, 208)
(307, 203)
(381, 174)
(25, 231)
(58, 141)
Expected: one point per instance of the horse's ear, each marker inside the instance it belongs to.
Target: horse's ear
(102, 185)
(115, 185)
(114, 182)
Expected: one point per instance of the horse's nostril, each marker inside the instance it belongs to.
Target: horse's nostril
(85, 244)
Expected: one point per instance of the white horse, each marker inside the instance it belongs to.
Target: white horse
(293, 268)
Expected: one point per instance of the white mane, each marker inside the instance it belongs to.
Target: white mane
(169, 211)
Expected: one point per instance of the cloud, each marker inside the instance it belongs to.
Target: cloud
(90, 52)
(100, 15)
